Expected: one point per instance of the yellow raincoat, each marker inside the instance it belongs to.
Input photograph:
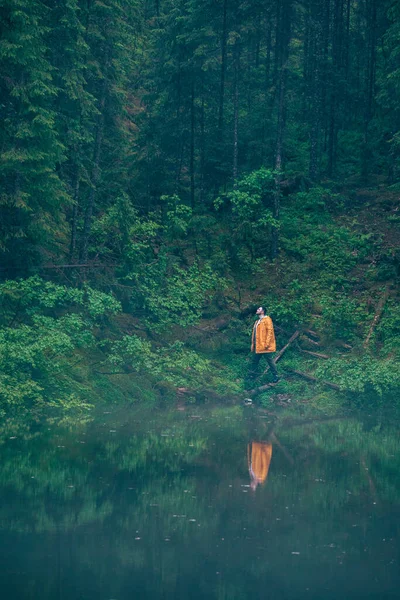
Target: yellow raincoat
(264, 335)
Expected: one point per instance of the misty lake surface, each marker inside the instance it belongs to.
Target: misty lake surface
(199, 502)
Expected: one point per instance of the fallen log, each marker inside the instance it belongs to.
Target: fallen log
(259, 390)
(307, 339)
(283, 350)
(314, 379)
(343, 345)
(309, 332)
(377, 316)
(316, 354)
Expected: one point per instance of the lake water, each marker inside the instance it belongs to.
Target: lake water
(218, 503)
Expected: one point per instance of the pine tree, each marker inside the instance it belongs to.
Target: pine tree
(33, 197)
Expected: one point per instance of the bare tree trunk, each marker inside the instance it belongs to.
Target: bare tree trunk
(180, 144)
(268, 55)
(337, 26)
(325, 68)
(267, 83)
(192, 127)
(236, 114)
(317, 32)
(285, 37)
(306, 62)
(346, 50)
(95, 177)
(75, 213)
(202, 150)
(223, 71)
(370, 87)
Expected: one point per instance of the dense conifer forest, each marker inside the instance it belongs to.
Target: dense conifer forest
(166, 166)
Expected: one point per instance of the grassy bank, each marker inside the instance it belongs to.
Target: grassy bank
(178, 324)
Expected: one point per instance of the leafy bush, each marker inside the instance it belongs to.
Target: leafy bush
(172, 295)
(43, 325)
(249, 216)
(364, 374)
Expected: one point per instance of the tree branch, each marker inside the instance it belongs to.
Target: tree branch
(378, 314)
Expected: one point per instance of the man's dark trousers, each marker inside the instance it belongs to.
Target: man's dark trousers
(255, 360)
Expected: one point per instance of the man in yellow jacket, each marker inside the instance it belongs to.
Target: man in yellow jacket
(262, 344)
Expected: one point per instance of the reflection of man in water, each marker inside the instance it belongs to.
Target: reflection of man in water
(262, 344)
(259, 456)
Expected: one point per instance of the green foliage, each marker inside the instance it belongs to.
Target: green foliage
(309, 233)
(249, 217)
(132, 353)
(116, 173)
(294, 309)
(33, 195)
(365, 374)
(38, 339)
(172, 295)
(171, 365)
(341, 317)
(178, 216)
(387, 333)
(26, 297)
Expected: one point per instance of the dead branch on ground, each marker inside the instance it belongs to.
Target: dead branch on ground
(314, 379)
(377, 316)
(316, 354)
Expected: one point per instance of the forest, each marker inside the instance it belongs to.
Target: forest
(167, 166)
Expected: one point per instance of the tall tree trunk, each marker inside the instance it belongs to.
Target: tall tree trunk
(325, 69)
(285, 33)
(268, 55)
(306, 62)
(236, 113)
(192, 127)
(370, 87)
(265, 128)
(347, 46)
(336, 72)
(75, 213)
(202, 149)
(278, 161)
(317, 31)
(224, 37)
(95, 176)
(179, 128)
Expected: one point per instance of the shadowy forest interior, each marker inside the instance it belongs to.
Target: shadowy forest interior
(169, 165)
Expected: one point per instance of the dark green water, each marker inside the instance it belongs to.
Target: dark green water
(137, 504)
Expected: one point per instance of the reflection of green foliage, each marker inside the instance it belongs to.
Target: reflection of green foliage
(164, 491)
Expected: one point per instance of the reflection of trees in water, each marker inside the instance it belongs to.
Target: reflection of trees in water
(168, 484)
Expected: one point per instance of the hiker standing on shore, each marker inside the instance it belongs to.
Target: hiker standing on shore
(262, 344)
